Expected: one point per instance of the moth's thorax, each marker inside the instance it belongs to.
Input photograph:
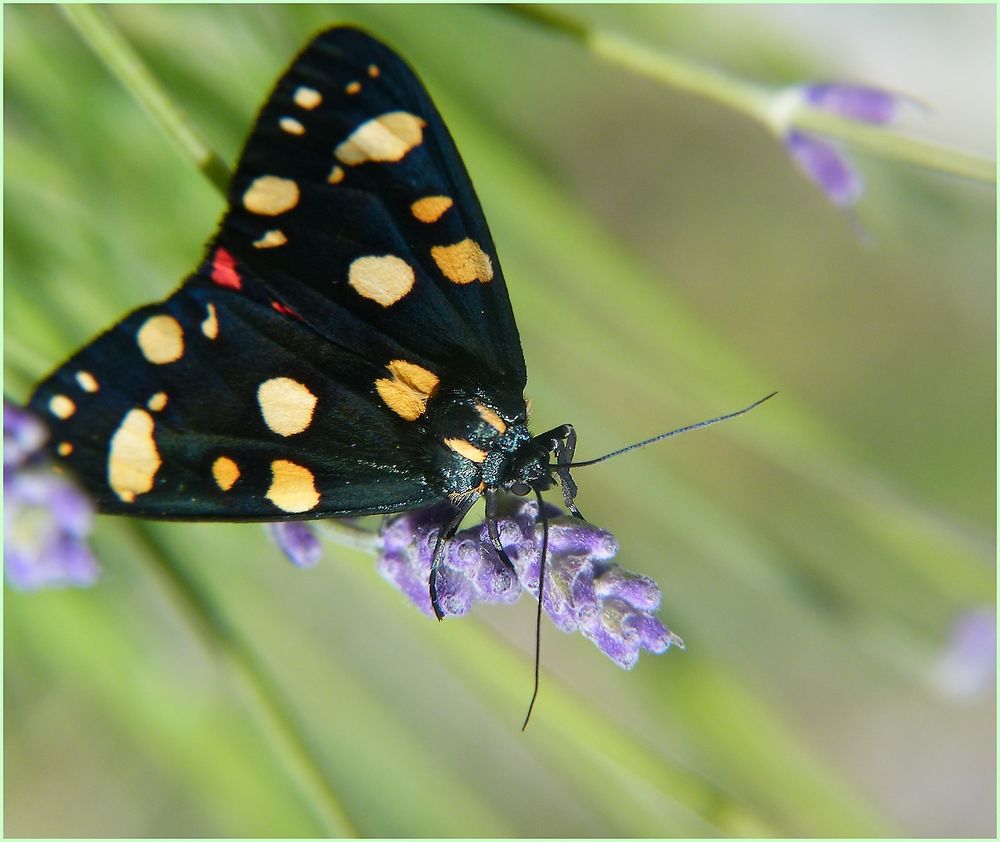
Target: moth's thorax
(480, 446)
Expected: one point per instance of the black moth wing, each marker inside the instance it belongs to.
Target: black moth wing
(186, 436)
(384, 226)
(251, 393)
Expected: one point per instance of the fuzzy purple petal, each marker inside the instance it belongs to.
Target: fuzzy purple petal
(23, 435)
(298, 541)
(856, 102)
(566, 537)
(612, 636)
(397, 570)
(823, 164)
(638, 591)
(46, 524)
(653, 635)
(47, 519)
(967, 668)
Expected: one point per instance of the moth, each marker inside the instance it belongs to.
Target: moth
(346, 345)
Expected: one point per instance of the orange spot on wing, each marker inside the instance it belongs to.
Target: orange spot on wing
(430, 208)
(464, 262)
(408, 391)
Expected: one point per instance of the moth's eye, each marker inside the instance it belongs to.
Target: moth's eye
(521, 489)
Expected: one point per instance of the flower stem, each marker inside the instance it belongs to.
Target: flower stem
(757, 101)
(276, 721)
(707, 82)
(100, 33)
(346, 534)
(889, 144)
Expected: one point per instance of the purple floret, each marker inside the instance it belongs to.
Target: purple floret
(47, 520)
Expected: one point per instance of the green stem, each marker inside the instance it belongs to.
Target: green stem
(97, 29)
(274, 718)
(759, 102)
(707, 82)
(885, 142)
(346, 534)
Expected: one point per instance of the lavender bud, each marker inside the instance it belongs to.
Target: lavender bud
(856, 102)
(298, 541)
(826, 167)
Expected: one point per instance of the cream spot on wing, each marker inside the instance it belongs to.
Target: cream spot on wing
(161, 339)
(384, 279)
(336, 175)
(61, 406)
(353, 88)
(292, 126)
(307, 98)
(293, 488)
(408, 391)
(64, 449)
(463, 262)
(385, 138)
(286, 404)
(210, 327)
(87, 381)
(466, 449)
(271, 239)
(270, 195)
(225, 472)
(373, 71)
(490, 417)
(157, 401)
(430, 208)
(133, 459)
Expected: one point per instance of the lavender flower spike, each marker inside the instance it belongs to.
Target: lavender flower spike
(46, 518)
(584, 590)
(820, 160)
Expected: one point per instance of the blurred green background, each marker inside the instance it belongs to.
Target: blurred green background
(666, 264)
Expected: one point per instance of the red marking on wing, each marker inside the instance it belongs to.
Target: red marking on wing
(224, 270)
(286, 311)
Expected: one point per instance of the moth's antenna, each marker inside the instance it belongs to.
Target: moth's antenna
(541, 591)
(676, 432)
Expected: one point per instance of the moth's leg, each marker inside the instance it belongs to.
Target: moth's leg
(562, 442)
(491, 528)
(444, 534)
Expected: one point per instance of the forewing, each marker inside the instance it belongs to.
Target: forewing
(350, 202)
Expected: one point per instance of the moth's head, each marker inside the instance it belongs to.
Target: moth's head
(531, 469)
